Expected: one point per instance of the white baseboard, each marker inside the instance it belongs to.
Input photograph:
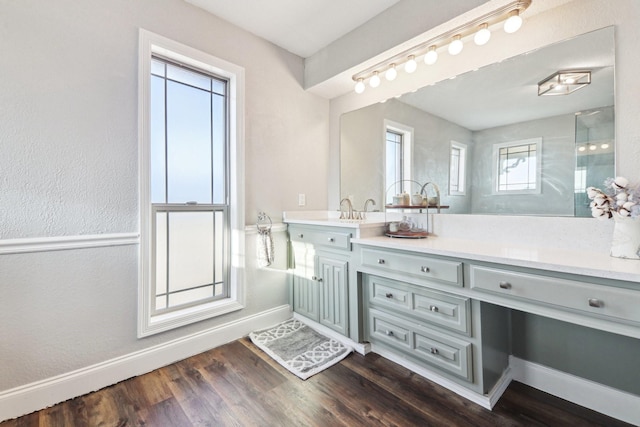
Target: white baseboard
(601, 398)
(38, 395)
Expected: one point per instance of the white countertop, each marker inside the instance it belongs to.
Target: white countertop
(559, 260)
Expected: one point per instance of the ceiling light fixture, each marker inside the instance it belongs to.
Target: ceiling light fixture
(508, 14)
(564, 82)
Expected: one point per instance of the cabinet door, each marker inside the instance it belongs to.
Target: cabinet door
(305, 287)
(333, 286)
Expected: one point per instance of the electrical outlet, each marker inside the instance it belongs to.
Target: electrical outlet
(302, 199)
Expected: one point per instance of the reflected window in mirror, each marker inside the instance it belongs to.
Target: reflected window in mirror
(458, 169)
(518, 168)
(398, 148)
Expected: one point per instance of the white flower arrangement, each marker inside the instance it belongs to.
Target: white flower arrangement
(617, 197)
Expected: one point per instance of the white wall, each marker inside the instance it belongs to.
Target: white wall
(68, 167)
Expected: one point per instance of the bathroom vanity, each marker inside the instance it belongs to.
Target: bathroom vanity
(443, 306)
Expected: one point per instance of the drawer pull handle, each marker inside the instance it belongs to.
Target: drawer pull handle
(381, 261)
(389, 295)
(433, 350)
(389, 333)
(331, 239)
(433, 308)
(505, 285)
(594, 302)
(424, 269)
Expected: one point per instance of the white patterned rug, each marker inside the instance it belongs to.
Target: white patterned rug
(299, 348)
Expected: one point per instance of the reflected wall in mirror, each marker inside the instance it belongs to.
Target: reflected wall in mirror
(493, 114)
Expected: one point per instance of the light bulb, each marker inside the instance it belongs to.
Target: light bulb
(391, 72)
(431, 57)
(483, 35)
(375, 80)
(359, 86)
(592, 147)
(455, 47)
(513, 23)
(581, 148)
(411, 65)
(604, 146)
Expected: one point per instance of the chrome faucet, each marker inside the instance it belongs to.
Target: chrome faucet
(366, 205)
(349, 206)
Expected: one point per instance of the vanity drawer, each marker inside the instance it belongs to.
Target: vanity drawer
(448, 272)
(587, 297)
(332, 239)
(440, 350)
(441, 309)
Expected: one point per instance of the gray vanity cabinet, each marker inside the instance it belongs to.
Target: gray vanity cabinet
(320, 275)
(413, 310)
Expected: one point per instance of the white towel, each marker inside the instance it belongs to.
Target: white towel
(264, 247)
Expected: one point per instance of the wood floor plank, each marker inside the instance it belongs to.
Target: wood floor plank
(239, 385)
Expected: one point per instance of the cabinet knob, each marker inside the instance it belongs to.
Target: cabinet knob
(389, 333)
(331, 239)
(301, 235)
(433, 308)
(594, 302)
(380, 261)
(424, 269)
(389, 295)
(433, 350)
(314, 278)
(505, 285)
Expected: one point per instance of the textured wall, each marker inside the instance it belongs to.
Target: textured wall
(68, 138)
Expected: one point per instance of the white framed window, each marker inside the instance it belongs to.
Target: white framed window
(458, 169)
(518, 167)
(397, 160)
(191, 196)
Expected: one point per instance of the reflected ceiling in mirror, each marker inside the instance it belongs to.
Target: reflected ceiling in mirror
(494, 105)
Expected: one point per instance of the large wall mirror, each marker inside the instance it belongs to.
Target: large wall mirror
(490, 142)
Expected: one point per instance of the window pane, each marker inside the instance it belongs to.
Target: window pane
(393, 168)
(188, 144)
(157, 161)
(219, 86)
(219, 134)
(157, 67)
(219, 247)
(188, 77)
(161, 253)
(190, 296)
(191, 243)
(517, 168)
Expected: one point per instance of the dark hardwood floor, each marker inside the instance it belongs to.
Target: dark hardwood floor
(238, 385)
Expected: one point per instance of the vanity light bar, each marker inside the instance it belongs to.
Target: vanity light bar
(509, 14)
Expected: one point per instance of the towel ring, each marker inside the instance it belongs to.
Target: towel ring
(264, 222)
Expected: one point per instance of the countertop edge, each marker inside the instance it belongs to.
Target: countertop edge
(555, 260)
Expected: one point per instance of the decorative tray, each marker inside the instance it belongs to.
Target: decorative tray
(407, 234)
